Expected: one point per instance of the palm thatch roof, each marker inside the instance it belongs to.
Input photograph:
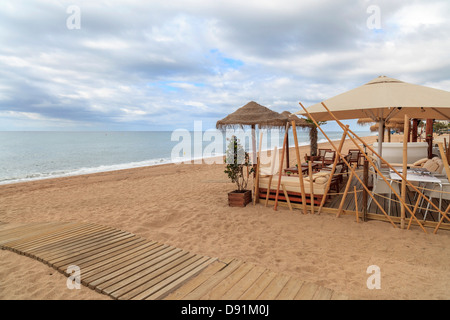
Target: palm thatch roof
(300, 122)
(365, 121)
(397, 125)
(253, 114)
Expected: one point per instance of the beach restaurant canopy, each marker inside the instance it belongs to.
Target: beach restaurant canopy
(383, 99)
(253, 114)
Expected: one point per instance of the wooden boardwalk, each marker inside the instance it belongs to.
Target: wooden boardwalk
(125, 266)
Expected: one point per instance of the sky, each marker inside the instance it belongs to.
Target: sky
(162, 65)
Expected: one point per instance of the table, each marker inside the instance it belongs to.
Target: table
(422, 176)
(305, 167)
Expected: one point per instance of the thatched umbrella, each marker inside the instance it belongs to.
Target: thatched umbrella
(253, 114)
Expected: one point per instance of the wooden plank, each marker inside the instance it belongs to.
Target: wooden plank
(77, 248)
(323, 294)
(212, 281)
(239, 288)
(197, 281)
(165, 278)
(290, 290)
(47, 245)
(274, 287)
(21, 238)
(112, 245)
(134, 279)
(180, 281)
(56, 238)
(104, 254)
(306, 291)
(127, 254)
(258, 286)
(227, 283)
(109, 277)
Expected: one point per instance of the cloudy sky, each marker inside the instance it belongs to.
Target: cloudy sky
(161, 65)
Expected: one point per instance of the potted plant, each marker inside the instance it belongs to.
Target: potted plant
(237, 159)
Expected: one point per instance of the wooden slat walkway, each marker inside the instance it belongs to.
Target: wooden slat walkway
(125, 266)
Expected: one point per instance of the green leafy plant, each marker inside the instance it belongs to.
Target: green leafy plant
(236, 160)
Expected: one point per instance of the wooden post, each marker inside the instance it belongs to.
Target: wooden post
(254, 145)
(311, 186)
(268, 189)
(414, 130)
(356, 204)
(299, 165)
(405, 171)
(341, 144)
(281, 168)
(347, 187)
(429, 137)
(287, 151)
(366, 184)
(258, 164)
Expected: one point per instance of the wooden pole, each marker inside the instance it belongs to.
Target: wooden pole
(348, 165)
(287, 197)
(414, 130)
(268, 190)
(429, 137)
(356, 204)
(444, 215)
(258, 164)
(379, 172)
(287, 151)
(281, 168)
(347, 187)
(299, 165)
(366, 184)
(254, 144)
(333, 170)
(405, 172)
(311, 186)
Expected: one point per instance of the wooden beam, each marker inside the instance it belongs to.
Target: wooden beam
(299, 167)
(258, 164)
(311, 185)
(344, 196)
(405, 171)
(281, 167)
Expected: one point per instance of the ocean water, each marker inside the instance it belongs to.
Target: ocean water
(26, 156)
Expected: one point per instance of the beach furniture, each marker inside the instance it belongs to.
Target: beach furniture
(440, 190)
(291, 187)
(353, 156)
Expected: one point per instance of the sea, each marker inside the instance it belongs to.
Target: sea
(27, 156)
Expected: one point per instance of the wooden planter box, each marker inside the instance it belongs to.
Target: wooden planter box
(239, 198)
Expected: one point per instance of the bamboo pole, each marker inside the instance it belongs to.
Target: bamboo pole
(405, 172)
(341, 144)
(258, 164)
(268, 190)
(344, 196)
(281, 167)
(415, 209)
(299, 167)
(287, 197)
(349, 166)
(356, 205)
(445, 160)
(444, 215)
(311, 186)
(379, 172)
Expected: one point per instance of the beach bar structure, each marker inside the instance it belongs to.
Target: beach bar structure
(381, 99)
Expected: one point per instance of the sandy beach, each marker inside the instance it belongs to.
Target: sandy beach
(186, 206)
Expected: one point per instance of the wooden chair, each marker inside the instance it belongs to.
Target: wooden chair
(353, 156)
